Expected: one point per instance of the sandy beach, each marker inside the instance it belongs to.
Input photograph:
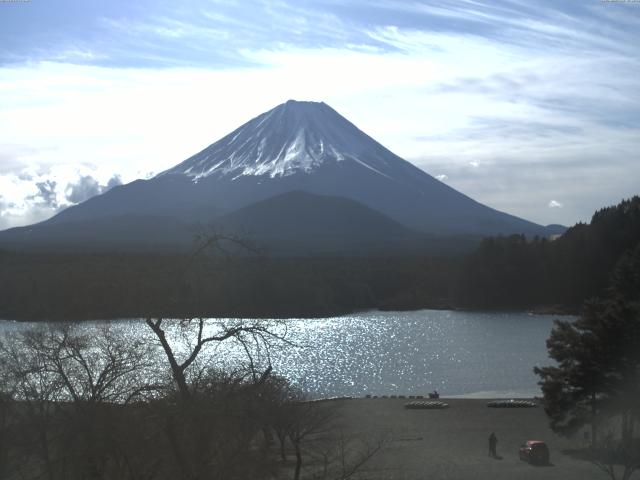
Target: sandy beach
(453, 443)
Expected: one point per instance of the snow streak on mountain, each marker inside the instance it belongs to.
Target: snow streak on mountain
(293, 137)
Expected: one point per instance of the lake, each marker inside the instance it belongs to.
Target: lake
(475, 354)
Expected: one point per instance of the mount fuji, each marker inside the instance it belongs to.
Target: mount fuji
(300, 171)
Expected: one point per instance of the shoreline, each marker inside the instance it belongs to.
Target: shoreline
(483, 395)
(328, 316)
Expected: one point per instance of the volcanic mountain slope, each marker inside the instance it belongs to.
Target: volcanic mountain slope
(299, 222)
(295, 147)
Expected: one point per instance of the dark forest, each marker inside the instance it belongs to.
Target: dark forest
(512, 272)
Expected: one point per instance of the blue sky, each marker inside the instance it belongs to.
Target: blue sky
(530, 107)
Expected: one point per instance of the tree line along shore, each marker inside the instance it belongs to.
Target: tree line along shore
(509, 272)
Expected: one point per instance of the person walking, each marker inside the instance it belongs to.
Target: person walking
(493, 441)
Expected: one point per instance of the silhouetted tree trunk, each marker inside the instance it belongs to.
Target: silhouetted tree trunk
(296, 446)
(257, 330)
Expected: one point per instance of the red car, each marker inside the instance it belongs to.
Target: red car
(534, 451)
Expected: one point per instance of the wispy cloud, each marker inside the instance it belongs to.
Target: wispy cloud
(510, 100)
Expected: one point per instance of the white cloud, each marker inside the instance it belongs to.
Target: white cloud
(87, 187)
(32, 195)
(555, 204)
(442, 177)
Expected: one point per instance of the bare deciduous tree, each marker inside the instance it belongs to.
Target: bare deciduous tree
(256, 332)
(70, 384)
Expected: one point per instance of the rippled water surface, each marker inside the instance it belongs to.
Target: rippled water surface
(457, 353)
(414, 352)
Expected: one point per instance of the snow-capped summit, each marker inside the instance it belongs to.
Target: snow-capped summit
(294, 137)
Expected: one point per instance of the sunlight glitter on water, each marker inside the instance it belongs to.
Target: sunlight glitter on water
(387, 353)
(457, 353)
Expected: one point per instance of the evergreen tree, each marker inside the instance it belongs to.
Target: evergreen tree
(597, 376)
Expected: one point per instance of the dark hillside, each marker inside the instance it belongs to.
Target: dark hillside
(511, 272)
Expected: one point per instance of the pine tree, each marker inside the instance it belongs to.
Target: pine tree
(597, 376)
